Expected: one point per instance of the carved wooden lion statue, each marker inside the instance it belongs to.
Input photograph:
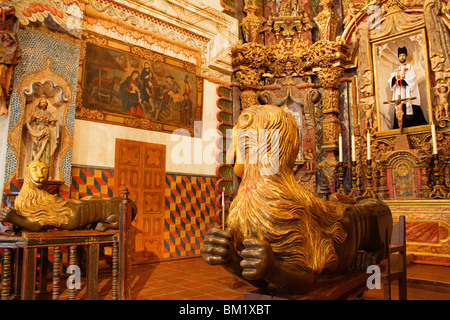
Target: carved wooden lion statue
(279, 233)
(36, 209)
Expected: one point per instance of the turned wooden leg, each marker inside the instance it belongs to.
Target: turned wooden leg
(56, 272)
(6, 280)
(115, 271)
(72, 262)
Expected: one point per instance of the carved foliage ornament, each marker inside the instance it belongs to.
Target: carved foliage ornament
(287, 64)
(253, 55)
(330, 101)
(322, 54)
(247, 77)
(331, 131)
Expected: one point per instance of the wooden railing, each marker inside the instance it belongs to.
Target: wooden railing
(23, 279)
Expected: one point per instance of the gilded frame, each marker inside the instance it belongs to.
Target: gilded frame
(106, 65)
(379, 76)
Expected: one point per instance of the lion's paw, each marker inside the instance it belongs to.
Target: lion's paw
(101, 226)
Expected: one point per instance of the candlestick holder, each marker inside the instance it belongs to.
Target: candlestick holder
(369, 193)
(354, 192)
(340, 176)
(439, 190)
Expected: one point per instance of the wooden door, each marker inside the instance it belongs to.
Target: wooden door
(141, 168)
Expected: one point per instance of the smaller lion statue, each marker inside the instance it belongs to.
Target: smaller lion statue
(280, 234)
(35, 209)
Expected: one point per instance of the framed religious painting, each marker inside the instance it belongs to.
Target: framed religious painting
(402, 85)
(139, 88)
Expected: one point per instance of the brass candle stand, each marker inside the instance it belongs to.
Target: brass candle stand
(354, 192)
(369, 193)
(439, 190)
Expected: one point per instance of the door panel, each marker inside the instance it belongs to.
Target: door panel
(140, 167)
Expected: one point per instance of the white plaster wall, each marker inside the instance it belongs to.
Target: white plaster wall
(94, 142)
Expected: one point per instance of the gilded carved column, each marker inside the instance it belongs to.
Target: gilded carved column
(330, 79)
(249, 59)
(249, 64)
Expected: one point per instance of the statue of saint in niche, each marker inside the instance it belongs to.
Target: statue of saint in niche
(403, 83)
(42, 126)
(400, 76)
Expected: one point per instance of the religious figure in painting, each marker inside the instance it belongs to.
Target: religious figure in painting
(403, 83)
(43, 128)
(129, 94)
(10, 53)
(185, 109)
(279, 233)
(172, 94)
(149, 87)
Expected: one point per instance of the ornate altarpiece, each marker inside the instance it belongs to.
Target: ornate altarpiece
(326, 69)
(333, 85)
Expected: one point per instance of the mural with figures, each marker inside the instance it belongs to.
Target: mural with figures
(145, 90)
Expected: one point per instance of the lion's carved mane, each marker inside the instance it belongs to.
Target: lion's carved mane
(301, 228)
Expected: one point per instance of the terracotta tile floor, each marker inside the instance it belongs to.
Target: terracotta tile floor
(425, 282)
(193, 279)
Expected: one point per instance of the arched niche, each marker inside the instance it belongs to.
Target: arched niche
(56, 90)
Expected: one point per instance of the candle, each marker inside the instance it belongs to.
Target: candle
(433, 135)
(340, 149)
(223, 208)
(353, 148)
(368, 145)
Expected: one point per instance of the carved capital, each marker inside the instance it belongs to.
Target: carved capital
(247, 77)
(330, 77)
(253, 55)
(287, 64)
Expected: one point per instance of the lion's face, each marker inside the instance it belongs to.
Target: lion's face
(38, 173)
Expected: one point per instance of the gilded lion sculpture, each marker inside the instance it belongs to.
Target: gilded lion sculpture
(279, 233)
(35, 209)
